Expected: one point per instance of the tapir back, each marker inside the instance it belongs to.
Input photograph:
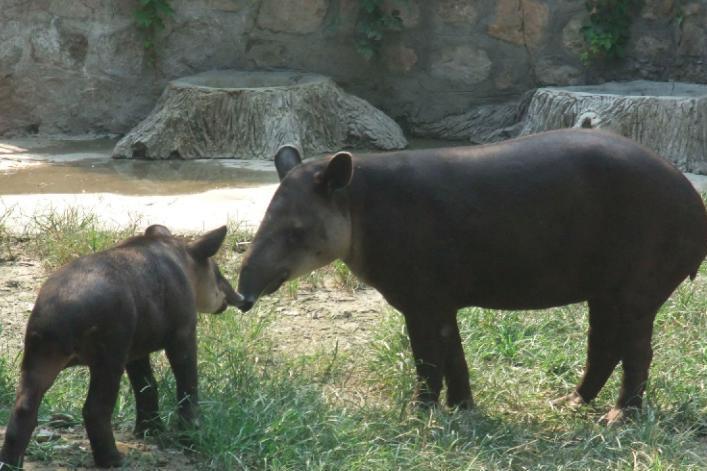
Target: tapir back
(530, 223)
(127, 291)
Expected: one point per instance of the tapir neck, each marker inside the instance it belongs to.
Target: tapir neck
(354, 255)
(342, 228)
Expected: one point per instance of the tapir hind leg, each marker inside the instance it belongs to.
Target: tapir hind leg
(603, 352)
(639, 304)
(38, 373)
(98, 411)
(636, 357)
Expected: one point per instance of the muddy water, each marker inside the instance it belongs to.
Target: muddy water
(56, 166)
(70, 167)
(130, 178)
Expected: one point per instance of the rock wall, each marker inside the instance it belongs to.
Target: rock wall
(456, 70)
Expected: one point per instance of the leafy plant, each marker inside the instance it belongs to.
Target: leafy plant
(373, 22)
(608, 30)
(150, 16)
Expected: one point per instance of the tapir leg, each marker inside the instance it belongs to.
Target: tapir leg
(146, 398)
(181, 353)
(636, 357)
(38, 374)
(98, 411)
(456, 371)
(428, 352)
(603, 348)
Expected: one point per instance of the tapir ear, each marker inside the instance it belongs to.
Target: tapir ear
(338, 172)
(286, 158)
(157, 230)
(207, 245)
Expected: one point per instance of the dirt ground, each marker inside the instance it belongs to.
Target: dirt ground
(326, 317)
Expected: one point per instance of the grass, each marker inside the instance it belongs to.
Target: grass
(265, 409)
(63, 236)
(6, 249)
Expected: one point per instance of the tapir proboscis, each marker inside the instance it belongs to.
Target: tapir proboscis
(109, 311)
(539, 221)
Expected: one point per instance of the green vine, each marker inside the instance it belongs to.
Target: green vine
(373, 22)
(679, 12)
(608, 30)
(150, 16)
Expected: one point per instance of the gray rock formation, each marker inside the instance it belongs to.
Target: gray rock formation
(80, 67)
(249, 115)
(668, 117)
(483, 124)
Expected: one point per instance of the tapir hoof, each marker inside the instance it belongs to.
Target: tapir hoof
(572, 401)
(617, 416)
(461, 404)
(150, 428)
(10, 463)
(109, 460)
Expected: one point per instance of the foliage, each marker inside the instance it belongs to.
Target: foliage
(373, 22)
(150, 16)
(608, 30)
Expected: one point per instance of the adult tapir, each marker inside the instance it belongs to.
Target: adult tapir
(540, 221)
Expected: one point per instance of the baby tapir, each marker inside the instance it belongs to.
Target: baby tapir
(109, 311)
(540, 221)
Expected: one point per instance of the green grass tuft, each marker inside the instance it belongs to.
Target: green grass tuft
(62, 237)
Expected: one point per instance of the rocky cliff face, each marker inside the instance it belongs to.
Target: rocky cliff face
(79, 67)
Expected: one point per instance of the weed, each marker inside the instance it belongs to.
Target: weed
(344, 278)
(63, 236)
(292, 287)
(6, 248)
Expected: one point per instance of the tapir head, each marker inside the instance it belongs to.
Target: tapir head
(306, 226)
(212, 292)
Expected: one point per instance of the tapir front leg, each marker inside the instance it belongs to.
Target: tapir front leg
(181, 354)
(146, 398)
(427, 351)
(98, 411)
(438, 353)
(456, 371)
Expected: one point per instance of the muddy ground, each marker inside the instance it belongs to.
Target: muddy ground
(309, 319)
